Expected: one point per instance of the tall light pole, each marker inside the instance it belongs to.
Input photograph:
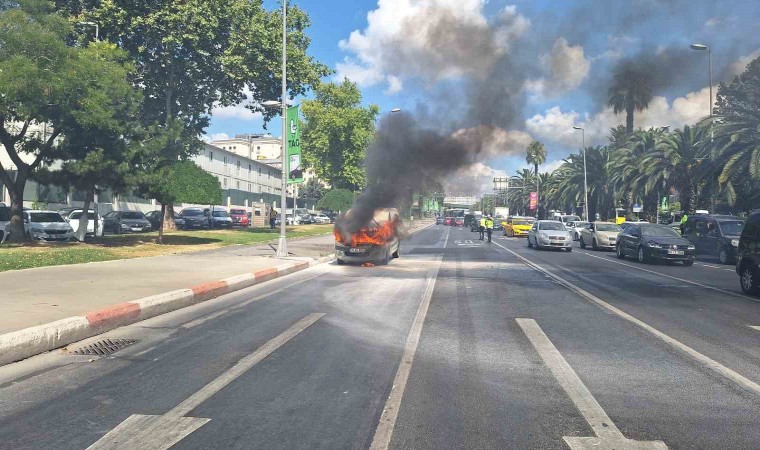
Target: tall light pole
(702, 47)
(585, 176)
(97, 28)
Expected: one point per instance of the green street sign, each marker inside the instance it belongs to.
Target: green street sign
(295, 168)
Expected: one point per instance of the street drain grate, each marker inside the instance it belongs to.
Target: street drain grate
(104, 347)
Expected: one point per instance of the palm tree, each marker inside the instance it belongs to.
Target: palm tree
(625, 166)
(673, 162)
(536, 154)
(631, 91)
(570, 178)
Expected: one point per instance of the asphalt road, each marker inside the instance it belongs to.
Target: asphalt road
(458, 344)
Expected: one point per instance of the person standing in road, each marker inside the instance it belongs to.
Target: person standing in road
(489, 227)
(482, 227)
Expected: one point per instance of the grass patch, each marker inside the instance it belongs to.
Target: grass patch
(139, 245)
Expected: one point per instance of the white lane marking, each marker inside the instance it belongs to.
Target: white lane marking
(740, 380)
(607, 434)
(161, 432)
(755, 327)
(724, 291)
(384, 431)
(446, 243)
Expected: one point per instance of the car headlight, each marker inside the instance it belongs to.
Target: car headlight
(653, 244)
(543, 236)
(735, 242)
(691, 247)
(37, 230)
(124, 226)
(603, 238)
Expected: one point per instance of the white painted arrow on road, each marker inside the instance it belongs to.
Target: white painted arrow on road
(161, 432)
(608, 436)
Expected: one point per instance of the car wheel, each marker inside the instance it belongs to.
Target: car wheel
(396, 253)
(340, 262)
(749, 279)
(642, 256)
(529, 243)
(569, 249)
(583, 243)
(594, 244)
(688, 263)
(619, 251)
(724, 257)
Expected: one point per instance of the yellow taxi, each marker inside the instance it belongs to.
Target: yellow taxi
(517, 226)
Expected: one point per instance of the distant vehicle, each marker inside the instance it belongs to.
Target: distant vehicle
(600, 235)
(472, 219)
(450, 221)
(475, 223)
(288, 219)
(376, 242)
(154, 217)
(75, 216)
(220, 218)
(650, 242)
(440, 220)
(5, 221)
(550, 234)
(715, 235)
(125, 222)
(303, 215)
(498, 223)
(194, 218)
(517, 226)
(748, 256)
(47, 226)
(576, 227)
(239, 218)
(569, 218)
(459, 221)
(66, 212)
(320, 218)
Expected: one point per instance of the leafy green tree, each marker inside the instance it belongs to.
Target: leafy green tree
(336, 133)
(631, 91)
(312, 190)
(570, 181)
(337, 200)
(49, 92)
(194, 55)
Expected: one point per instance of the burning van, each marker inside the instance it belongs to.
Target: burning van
(376, 242)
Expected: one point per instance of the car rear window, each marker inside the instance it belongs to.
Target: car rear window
(78, 215)
(220, 214)
(192, 212)
(132, 215)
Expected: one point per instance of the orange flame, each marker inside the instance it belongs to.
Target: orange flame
(370, 236)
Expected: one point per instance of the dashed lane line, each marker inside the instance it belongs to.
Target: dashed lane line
(738, 379)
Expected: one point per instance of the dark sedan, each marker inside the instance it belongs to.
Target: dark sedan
(194, 218)
(154, 217)
(650, 242)
(125, 222)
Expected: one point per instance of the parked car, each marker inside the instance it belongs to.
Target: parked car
(748, 255)
(220, 218)
(320, 218)
(66, 212)
(47, 226)
(75, 216)
(567, 218)
(5, 221)
(303, 216)
(440, 220)
(715, 235)
(600, 235)
(651, 242)
(125, 222)
(195, 218)
(288, 219)
(576, 227)
(517, 226)
(240, 218)
(550, 234)
(154, 217)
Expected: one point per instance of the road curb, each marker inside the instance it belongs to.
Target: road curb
(22, 344)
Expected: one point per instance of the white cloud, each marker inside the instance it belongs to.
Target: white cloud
(556, 126)
(238, 111)
(566, 67)
(740, 65)
(431, 39)
(215, 137)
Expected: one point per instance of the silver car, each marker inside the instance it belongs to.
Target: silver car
(550, 234)
(47, 226)
(600, 235)
(576, 227)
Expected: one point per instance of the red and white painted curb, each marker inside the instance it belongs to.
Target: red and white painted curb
(31, 341)
(22, 344)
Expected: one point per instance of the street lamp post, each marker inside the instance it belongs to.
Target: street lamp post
(702, 47)
(585, 177)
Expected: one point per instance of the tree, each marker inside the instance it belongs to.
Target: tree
(736, 126)
(336, 133)
(312, 190)
(536, 154)
(337, 200)
(194, 55)
(48, 91)
(570, 181)
(631, 91)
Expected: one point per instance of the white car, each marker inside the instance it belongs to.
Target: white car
(576, 227)
(47, 226)
(5, 222)
(73, 220)
(321, 218)
(600, 235)
(550, 234)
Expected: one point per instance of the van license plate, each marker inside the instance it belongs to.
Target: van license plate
(356, 250)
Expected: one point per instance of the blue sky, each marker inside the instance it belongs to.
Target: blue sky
(567, 50)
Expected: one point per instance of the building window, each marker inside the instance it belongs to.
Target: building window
(249, 187)
(211, 156)
(225, 182)
(237, 184)
(225, 160)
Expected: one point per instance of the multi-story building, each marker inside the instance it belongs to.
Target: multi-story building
(252, 146)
